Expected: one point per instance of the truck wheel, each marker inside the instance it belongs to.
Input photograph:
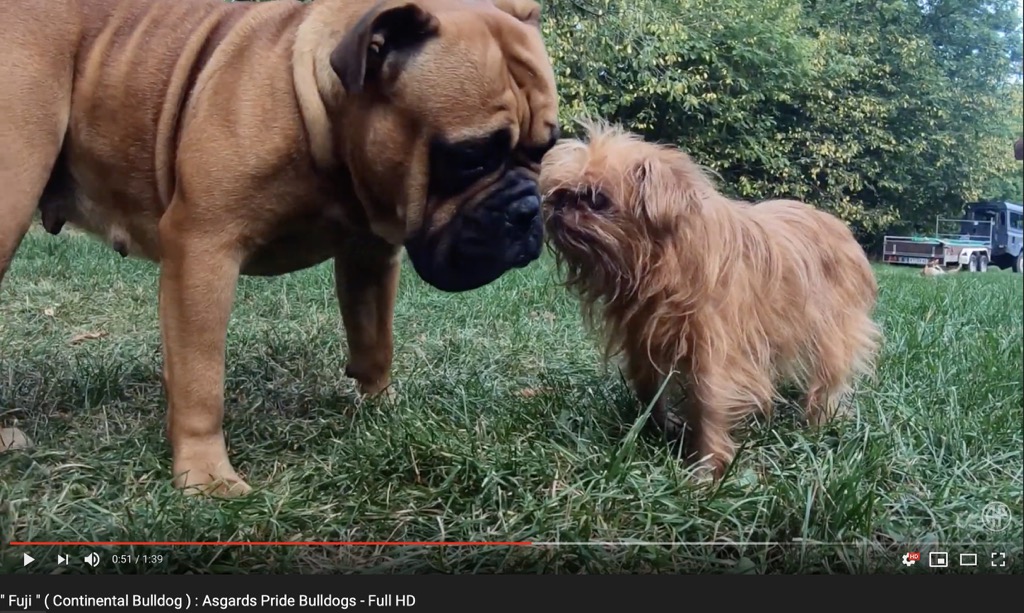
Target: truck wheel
(1018, 266)
(972, 264)
(982, 262)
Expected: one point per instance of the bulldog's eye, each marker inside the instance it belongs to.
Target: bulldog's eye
(456, 166)
(535, 154)
(472, 168)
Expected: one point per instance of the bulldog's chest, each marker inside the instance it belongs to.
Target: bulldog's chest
(283, 257)
(298, 243)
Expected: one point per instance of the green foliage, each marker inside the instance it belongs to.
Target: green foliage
(881, 111)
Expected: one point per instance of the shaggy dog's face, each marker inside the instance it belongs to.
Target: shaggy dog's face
(586, 222)
(595, 199)
(607, 202)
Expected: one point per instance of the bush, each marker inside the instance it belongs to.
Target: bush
(879, 111)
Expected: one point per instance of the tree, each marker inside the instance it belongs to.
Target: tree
(882, 111)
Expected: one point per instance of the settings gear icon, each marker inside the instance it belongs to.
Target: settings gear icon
(909, 559)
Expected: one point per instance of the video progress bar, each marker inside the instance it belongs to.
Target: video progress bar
(621, 543)
(270, 543)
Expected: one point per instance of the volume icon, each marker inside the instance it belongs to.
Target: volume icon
(92, 559)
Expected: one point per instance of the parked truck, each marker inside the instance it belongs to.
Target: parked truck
(990, 233)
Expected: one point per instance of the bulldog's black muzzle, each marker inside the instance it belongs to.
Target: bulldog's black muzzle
(484, 240)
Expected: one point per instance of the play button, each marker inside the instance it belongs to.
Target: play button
(28, 560)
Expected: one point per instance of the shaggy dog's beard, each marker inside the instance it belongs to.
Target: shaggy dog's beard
(605, 268)
(598, 275)
(737, 298)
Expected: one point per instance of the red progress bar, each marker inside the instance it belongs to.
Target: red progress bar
(273, 543)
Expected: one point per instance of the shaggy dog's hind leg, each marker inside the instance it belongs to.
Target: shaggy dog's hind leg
(830, 386)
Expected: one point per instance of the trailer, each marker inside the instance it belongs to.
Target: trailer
(990, 233)
(919, 251)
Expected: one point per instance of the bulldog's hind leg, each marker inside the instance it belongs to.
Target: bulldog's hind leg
(18, 202)
(366, 275)
(35, 102)
(199, 272)
(32, 126)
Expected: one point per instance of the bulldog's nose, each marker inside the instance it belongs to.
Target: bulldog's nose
(522, 213)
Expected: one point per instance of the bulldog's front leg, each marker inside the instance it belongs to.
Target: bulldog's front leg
(366, 275)
(199, 271)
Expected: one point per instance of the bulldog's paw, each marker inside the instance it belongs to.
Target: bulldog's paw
(368, 382)
(388, 394)
(13, 438)
(373, 389)
(213, 477)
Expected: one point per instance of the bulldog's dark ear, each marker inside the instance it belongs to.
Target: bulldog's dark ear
(382, 32)
(526, 11)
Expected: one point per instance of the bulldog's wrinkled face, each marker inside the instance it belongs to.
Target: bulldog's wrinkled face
(455, 107)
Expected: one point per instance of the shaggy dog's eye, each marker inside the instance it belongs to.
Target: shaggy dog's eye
(591, 199)
(598, 201)
(560, 198)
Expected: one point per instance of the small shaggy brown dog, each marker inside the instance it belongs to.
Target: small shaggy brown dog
(732, 298)
(934, 269)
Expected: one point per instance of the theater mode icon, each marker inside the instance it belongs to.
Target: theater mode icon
(968, 559)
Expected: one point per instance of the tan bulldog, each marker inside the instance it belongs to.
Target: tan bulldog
(219, 139)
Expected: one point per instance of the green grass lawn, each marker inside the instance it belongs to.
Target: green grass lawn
(506, 427)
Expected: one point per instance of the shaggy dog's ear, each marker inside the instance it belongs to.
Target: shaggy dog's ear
(652, 191)
(665, 189)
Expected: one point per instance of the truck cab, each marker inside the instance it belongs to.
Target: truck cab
(1002, 225)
